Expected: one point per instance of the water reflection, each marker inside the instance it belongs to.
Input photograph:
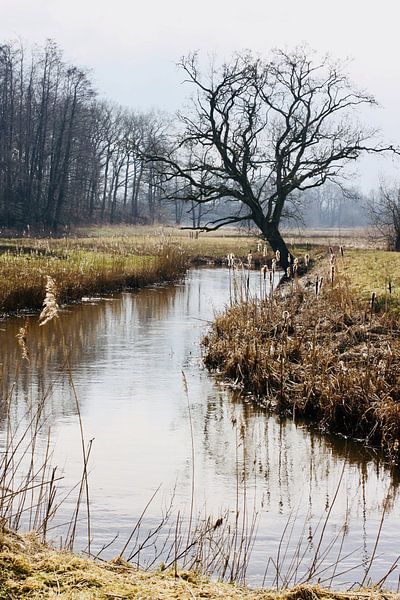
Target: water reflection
(126, 356)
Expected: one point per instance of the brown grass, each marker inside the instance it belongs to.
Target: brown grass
(329, 356)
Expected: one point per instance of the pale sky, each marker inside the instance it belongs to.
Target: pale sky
(132, 47)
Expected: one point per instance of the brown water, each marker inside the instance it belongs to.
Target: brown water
(126, 359)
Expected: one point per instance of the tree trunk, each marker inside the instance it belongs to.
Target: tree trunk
(277, 243)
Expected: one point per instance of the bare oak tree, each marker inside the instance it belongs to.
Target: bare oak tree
(258, 132)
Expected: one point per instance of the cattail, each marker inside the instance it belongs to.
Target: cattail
(332, 259)
(277, 256)
(264, 271)
(231, 260)
(288, 272)
(273, 265)
(259, 246)
(341, 251)
(249, 259)
(306, 260)
(318, 285)
(289, 258)
(330, 250)
(295, 265)
(50, 306)
(265, 250)
(373, 298)
(285, 316)
(390, 286)
(332, 273)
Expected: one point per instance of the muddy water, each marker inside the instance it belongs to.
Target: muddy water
(127, 358)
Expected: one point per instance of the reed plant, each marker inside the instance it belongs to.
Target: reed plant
(316, 349)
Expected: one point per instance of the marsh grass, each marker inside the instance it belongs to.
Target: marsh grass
(82, 272)
(319, 350)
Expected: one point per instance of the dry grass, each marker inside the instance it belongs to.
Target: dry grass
(81, 272)
(28, 569)
(329, 356)
(374, 271)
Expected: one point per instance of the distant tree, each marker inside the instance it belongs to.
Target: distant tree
(384, 211)
(260, 131)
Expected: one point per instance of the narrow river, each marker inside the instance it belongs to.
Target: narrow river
(135, 363)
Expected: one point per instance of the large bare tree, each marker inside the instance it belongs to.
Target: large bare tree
(258, 132)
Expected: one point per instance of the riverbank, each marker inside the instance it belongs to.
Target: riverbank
(326, 348)
(80, 273)
(103, 263)
(29, 569)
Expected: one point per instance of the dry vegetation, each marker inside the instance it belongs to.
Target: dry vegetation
(321, 349)
(29, 569)
(104, 260)
(81, 272)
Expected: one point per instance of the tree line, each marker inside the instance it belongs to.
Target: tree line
(68, 157)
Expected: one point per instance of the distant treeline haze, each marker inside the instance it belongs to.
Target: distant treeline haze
(68, 157)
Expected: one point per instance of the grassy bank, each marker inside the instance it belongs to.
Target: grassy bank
(105, 261)
(28, 569)
(324, 349)
(81, 272)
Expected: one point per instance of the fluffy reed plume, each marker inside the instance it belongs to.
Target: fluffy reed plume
(21, 338)
(50, 306)
(277, 256)
(265, 250)
(249, 260)
(295, 265)
(273, 265)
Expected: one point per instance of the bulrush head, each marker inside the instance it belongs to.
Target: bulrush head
(264, 271)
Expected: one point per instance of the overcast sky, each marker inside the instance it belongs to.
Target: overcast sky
(132, 47)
